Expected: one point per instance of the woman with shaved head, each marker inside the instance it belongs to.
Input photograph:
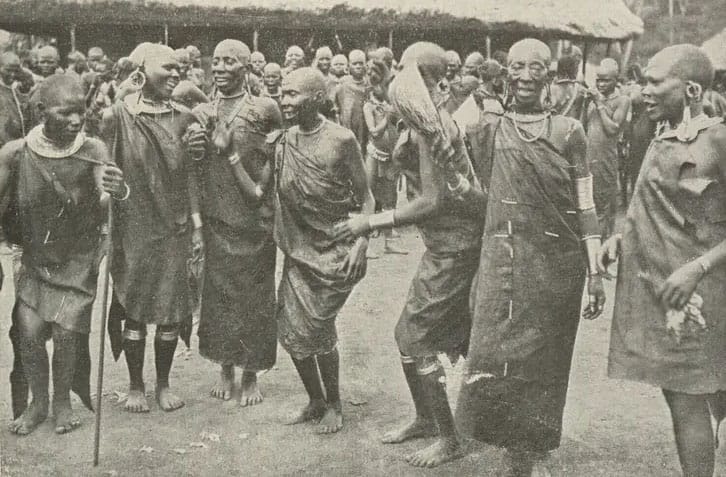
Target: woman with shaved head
(669, 322)
(540, 239)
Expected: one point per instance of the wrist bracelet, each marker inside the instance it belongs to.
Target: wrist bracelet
(233, 159)
(258, 191)
(381, 220)
(705, 266)
(126, 195)
(196, 220)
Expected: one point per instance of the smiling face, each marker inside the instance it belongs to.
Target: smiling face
(527, 71)
(162, 74)
(229, 64)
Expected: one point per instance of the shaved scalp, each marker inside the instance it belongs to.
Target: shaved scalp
(257, 56)
(307, 79)
(95, 51)
(323, 52)
(8, 57)
(295, 49)
(236, 47)
(146, 52)
(609, 67)
(193, 50)
(429, 57)
(57, 86)
(687, 62)
(272, 68)
(48, 50)
(453, 57)
(340, 59)
(182, 55)
(475, 58)
(356, 55)
(524, 48)
(76, 57)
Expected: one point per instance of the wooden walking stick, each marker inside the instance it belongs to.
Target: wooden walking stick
(102, 345)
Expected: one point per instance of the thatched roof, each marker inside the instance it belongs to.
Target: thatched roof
(716, 49)
(597, 19)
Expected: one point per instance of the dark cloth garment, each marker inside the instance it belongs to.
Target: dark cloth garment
(309, 202)
(151, 235)
(678, 213)
(349, 99)
(716, 102)
(12, 113)
(570, 99)
(526, 297)
(602, 150)
(61, 239)
(237, 322)
(436, 318)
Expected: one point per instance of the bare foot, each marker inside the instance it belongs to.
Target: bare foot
(168, 401)
(225, 386)
(65, 420)
(332, 420)
(441, 451)
(33, 416)
(251, 394)
(419, 428)
(136, 401)
(312, 412)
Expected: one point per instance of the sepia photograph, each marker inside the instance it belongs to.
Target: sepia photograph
(362, 238)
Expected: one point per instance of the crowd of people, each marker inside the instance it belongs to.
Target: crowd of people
(510, 169)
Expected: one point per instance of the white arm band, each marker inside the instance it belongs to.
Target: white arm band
(381, 220)
(196, 220)
(583, 193)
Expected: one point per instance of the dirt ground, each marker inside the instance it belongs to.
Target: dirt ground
(611, 428)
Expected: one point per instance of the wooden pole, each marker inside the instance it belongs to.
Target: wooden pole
(584, 59)
(73, 38)
(672, 35)
(608, 49)
(626, 55)
(390, 39)
(102, 346)
(489, 47)
(166, 34)
(256, 40)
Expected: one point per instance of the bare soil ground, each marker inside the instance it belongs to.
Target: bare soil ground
(611, 428)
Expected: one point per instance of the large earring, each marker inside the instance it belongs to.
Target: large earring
(138, 79)
(693, 91)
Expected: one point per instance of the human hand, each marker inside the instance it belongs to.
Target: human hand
(355, 264)
(355, 226)
(112, 180)
(608, 253)
(195, 141)
(680, 285)
(596, 294)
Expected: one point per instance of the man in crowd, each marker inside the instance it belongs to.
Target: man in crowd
(294, 59)
(48, 62)
(77, 64)
(272, 78)
(186, 92)
(606, 116)
(339, 67)
(157, 224)
(569, 97)
(350, 96)
(257, 64)
(321, 179)
(55, 177)
(237, 324)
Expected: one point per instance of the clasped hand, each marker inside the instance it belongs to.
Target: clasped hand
(112, 180)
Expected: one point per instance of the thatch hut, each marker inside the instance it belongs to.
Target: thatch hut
(117, 25)
(716, 49)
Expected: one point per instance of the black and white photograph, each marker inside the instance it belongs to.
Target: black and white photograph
(363, 238)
